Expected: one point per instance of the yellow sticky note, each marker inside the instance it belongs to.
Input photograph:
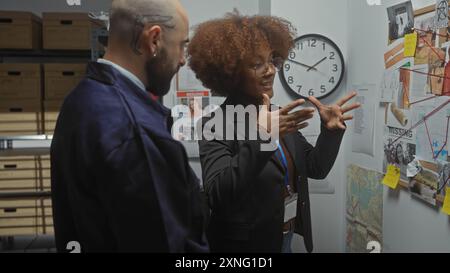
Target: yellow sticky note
(446, 206)
(410, 44)
(392, 176)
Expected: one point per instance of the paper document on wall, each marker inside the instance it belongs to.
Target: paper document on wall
(364, 119)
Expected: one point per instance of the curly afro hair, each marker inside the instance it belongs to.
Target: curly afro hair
(219, 47)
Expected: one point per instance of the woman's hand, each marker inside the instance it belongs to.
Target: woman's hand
(333, 116)
(287, 122)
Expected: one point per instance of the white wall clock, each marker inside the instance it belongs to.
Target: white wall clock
(315, 67)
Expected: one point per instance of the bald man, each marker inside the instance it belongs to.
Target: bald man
(119, 181)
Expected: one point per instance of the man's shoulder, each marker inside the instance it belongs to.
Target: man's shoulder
(94, 104)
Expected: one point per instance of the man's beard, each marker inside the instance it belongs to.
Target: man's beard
(159, 74)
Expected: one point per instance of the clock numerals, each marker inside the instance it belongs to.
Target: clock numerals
(332, 54)
(291, 80)
(315, 67)
(335, 67)
(292, 55)
(299, 46)
(287, 67)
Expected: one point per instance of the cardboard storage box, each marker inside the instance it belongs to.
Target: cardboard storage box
(17, 185)
(20, 106)
(44, 162)
(18, 162)
(22, 163)
(50, 119)
(18, 174)
(20, 117)
(60, 79)
(13, 212)
(52, 105)
(20, 81)
(13, 124)
(25, 217)
(20, 30)
(67, 30)
(14, 203)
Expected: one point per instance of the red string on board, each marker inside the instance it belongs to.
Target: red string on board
(427, 116)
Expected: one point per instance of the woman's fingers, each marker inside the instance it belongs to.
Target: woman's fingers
(347, 117)
(286, 109)
(315, 101)
(341, 126)
(298, 115)
(297, 127)
(346, 98)
(354, 106)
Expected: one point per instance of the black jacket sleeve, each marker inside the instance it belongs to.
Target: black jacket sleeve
(321, 157)
(229, 168)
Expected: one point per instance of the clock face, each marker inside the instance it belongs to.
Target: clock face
(315, 67)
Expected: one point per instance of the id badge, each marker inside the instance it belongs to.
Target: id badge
(290, 207)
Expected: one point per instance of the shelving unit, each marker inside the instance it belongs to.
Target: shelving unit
(39, 145)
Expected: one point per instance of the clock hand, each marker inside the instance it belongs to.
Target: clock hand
(314, 66)
(305, 65)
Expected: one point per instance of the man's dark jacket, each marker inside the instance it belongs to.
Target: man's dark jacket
(120, 182)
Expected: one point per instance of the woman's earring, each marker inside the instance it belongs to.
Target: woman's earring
(154, 55)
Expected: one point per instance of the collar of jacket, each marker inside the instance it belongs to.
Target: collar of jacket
(108, 75)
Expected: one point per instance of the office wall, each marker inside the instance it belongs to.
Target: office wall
(409, 225)
(329, 18)
(360, 30)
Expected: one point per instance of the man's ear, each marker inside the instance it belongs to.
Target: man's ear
(152, 38)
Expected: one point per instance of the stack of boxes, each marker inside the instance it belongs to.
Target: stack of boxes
(20, 30)
(25, 216)
(20, 84)
(70, 31)
(31, 95)
(59, 80)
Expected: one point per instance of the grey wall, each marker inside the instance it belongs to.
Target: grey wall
(409, 225)
(329, 18)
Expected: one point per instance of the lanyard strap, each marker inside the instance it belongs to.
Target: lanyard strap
(284, 163)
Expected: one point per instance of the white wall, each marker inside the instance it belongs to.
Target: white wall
(409, 225)
(329, 18)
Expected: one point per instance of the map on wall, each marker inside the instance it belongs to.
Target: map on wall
(364, 208)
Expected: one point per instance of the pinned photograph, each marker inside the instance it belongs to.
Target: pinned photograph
(401, 20)
(425, 184)
(444, 177)
(400, 154)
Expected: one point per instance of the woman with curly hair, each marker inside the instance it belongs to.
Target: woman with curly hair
(259, 198)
